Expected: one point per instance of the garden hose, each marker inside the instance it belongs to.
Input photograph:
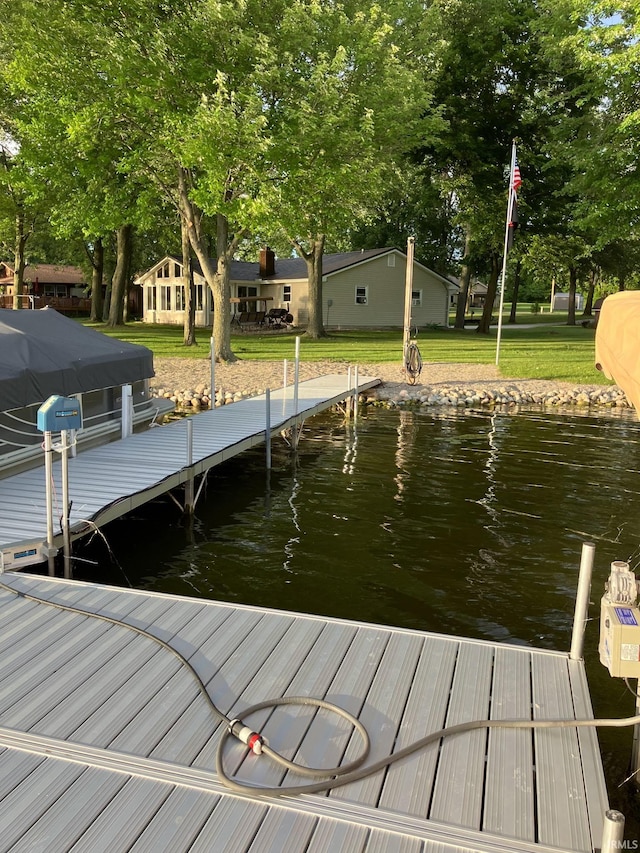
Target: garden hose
(332, 777)
(412, 363)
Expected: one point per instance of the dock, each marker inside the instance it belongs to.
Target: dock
(109, 481)
(107, 744)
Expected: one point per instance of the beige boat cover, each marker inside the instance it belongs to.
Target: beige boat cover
(618, 342)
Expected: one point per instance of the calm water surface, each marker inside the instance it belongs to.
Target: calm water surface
(464, 523)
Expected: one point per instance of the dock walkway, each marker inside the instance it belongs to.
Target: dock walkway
(106, 744)
(113, 479)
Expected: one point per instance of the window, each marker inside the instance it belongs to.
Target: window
(179, 298)
(361, 295)
(165, 298)
(151, 299)
(391, 261)
(416, 298)
(177, 271)
(244, 290)
(199, 302)
(286, 293)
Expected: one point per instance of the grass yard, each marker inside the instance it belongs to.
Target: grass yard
(564, 353)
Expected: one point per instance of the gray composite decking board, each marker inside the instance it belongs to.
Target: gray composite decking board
(122, 820)
(457, 795)
(400, 683)
(409, 785)
(112, 479)
(562, 807)
(509, 791)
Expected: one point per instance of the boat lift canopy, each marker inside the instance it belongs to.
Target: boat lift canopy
(43, 353)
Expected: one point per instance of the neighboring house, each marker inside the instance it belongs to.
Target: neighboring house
(477, 293)
(62, 287)
(561, 302)
(364, 289)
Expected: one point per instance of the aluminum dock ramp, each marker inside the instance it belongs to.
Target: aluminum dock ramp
(106, 743)
(113, 479)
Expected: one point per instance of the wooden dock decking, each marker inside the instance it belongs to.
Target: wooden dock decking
(106, 743)
(113, 479)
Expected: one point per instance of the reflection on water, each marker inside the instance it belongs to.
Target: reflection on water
(466, 523)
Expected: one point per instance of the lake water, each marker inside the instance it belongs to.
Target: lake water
(466, 523)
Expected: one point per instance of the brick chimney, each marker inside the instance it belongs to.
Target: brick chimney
(267, 262)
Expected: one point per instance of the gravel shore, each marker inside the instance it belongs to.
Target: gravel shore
(187, 382)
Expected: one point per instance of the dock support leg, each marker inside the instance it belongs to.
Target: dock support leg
(349, 400)
(66, 504)
(612, 831)
(48, 473)
(581, 611)
(267, 431)
(296, 379)
(355, 396)
(189, 501)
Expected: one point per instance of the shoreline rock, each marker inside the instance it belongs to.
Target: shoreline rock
(188, 384)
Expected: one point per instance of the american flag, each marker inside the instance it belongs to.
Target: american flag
(516, 180)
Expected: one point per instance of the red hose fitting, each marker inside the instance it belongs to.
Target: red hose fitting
(246, 735)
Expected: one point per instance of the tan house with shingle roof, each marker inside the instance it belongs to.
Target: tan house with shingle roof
(363, 289)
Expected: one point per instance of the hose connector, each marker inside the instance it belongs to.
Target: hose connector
(246, 735)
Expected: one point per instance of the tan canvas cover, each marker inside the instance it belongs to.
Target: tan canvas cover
(618, 342)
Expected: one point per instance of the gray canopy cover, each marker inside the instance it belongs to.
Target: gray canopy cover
(43, 352)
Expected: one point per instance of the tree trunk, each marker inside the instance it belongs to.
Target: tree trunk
(315, 326)
(516, 288)
(485, 321)
(97, 273)
(594, 278)
(622, 282)
(20, 261)
(313, 260)
(120, 275)
(465, 282)
(217, 277)
(189, 333)
(573, 283)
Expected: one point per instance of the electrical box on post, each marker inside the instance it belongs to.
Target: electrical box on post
(619, 645)
(58, 413)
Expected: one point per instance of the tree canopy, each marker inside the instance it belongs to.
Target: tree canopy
(322, 124)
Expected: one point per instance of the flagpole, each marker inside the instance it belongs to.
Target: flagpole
(506, 248)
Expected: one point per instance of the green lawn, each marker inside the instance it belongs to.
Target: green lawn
(560, 352)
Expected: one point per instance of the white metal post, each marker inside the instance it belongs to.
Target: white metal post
(285, 379)
(505, 250)
(349, 399)
(581, 611)
(66, 538)
(189, 502)
(612, 831)
(127, 411)
(296, 377)
(355, 395)
(48, 473)
(267, 434)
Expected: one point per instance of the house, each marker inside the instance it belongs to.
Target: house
(62, 287)
(362, 289)
(477, 293)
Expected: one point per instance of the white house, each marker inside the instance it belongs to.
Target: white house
(363, 289)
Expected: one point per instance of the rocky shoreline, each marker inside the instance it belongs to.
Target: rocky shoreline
(187, 382)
